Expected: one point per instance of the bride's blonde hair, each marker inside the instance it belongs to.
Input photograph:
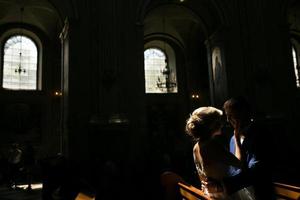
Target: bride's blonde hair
(203, 122)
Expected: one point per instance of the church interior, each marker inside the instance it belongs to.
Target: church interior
(97, 93)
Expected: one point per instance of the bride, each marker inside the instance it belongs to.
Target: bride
(211, 159)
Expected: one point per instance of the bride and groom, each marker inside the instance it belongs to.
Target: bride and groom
(240, 173)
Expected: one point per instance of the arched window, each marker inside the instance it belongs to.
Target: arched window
(160, 75)
(20, 63)
(296, 66)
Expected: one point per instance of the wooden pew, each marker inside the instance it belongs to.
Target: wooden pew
(189, 192)
(82, 196)
(283, 192)
(170, 182)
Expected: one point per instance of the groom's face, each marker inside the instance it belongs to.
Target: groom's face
(231, 118)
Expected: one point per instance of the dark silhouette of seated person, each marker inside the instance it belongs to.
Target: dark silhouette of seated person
(59, 179)
(248, 144)
(109, 180)
(14, 164)
(29, 163)
(211, 159)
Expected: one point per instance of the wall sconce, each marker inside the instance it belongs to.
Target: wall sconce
(195, 96)
(57, 93)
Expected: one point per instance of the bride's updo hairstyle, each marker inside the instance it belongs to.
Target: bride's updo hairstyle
(203, 122)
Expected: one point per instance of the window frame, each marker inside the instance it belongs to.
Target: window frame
(295, 69)
(167, 49)
(36, 40)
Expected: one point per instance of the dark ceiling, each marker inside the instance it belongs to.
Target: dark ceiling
(39, 13)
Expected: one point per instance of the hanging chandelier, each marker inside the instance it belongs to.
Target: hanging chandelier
(164, 80)
(19, 68)
(167, 83)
